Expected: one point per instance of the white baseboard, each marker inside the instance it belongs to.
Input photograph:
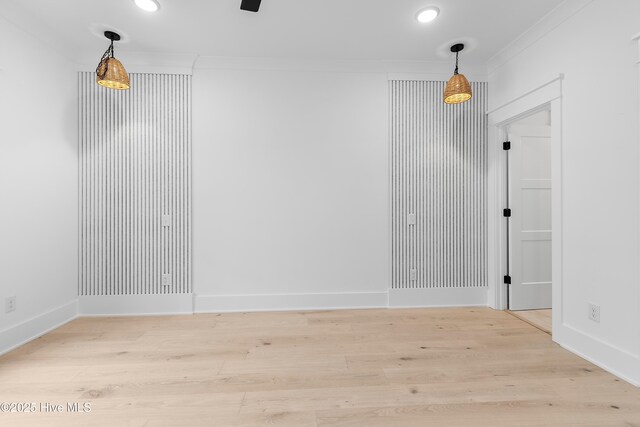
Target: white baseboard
(135, 305)
(288, 302)
(394, 298)
(20, 334)
(439, 297)
(614, 360)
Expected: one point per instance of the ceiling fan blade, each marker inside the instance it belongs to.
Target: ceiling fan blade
(250, 5)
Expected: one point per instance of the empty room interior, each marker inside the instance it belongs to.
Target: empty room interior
(320, 213)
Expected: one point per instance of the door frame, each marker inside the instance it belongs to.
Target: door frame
(547, 96)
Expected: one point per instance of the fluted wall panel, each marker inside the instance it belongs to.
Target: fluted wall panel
(135, 171)
(439, 174)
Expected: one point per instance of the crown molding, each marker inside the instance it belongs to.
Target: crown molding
(548, 23)
(144, 62)
(406, 70)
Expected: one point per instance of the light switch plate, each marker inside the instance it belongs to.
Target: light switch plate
(412, 219)
(166, 220)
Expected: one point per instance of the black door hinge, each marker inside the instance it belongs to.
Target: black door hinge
(506, 145)
(506, 213)
(507, 280)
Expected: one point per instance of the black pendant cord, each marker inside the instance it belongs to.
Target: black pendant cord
(456, 48)
(456, 70)
(107, 55)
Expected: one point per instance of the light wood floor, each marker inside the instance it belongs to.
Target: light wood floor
(541, 319)
(434, 367)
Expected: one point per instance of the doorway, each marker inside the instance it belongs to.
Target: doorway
(529, 218)
(546, 97)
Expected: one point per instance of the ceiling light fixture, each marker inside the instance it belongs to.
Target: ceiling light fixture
(458, 89)
(147, 5)
(110, 72)
(428, 14)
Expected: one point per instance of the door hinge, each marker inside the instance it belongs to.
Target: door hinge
(507, 280)
(506, 145)
(506, 213)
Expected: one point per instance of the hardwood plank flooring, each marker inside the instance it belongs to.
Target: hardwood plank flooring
(418, 367)
(541, 319)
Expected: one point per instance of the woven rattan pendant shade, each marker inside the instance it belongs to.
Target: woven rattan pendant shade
(458, 90)
(111, 74)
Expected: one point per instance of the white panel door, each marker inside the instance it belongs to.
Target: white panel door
(530, 223)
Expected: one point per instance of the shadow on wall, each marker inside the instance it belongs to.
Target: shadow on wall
(111, 120)
(70, 119)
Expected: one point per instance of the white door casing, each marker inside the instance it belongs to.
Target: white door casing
(530, 187)
(546, 96)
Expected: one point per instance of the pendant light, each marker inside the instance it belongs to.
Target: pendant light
(110, 72)
(458, 89)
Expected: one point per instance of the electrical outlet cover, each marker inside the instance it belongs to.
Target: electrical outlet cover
(594, 313)
(10, 304)
(166, 280)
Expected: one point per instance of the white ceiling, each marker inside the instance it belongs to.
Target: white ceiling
(318, 29)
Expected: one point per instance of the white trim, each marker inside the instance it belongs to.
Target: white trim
(435, 77)
(394, 298)
(528, 101)
(30, 329)
(410, 70)
(636, 38)
(547, 95)
(135, 305)
(145, 62)
(438, 297)
(495, 228)
(607, 356)
(557, 215)
(288, 302)
(548, 23)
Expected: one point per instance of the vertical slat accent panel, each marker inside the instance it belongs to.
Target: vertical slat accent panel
(135, 166)
(439, 167)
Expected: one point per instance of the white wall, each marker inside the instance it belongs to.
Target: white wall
(290, 188)
(592, 46)
(38, 186)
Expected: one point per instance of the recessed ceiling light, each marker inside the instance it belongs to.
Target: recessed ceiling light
(147, 5)
(428, 14)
